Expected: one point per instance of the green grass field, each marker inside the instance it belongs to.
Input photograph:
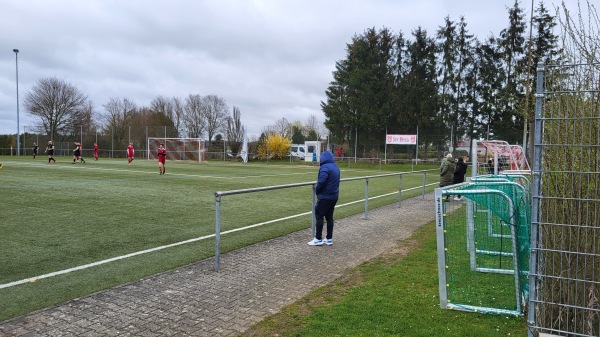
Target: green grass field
(64, 215)
(395, 294)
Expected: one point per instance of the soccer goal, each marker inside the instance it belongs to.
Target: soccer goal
(483, 244)
(178, 148)
(494, 156)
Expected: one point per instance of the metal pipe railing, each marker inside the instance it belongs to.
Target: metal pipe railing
(220, 194)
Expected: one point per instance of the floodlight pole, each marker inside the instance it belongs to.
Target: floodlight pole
(17, 71)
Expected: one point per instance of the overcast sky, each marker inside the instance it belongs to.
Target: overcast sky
(269, 58)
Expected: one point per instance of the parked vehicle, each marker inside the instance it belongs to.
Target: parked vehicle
(297, 151)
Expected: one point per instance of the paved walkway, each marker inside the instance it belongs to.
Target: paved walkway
(253, 283)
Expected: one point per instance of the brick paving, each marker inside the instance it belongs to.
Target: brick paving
(253, 283)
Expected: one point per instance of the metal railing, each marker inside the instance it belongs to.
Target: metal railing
(220, 194)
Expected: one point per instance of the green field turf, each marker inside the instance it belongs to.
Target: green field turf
(64, 215)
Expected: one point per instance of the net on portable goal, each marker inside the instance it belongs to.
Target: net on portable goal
(483, 244)
(178, 148)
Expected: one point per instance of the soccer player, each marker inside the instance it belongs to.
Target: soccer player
(34, 148)
(50, 151)
(130, 153)
(162, 157)
(77, 154)
(96, 151)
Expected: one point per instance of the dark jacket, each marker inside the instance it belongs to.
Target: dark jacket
(328, 183)
(459, 172)
(447, 172)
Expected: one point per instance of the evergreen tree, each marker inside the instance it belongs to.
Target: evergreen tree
(509, 123)
(419, 91)
(456, 48)
(359, 99)
(297, 136)
(447, 41)
(491, 78)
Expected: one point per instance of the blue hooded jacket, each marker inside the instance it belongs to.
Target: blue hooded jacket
(328, 184)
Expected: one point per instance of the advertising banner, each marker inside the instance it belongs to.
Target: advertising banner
(401, 139)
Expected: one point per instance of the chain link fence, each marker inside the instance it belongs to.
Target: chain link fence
(113, 144)
(565, 244)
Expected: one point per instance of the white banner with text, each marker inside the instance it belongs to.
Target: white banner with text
(401, 139)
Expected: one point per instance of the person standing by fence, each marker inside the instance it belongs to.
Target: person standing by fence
(447, 172)
(327, 190)
(459, 173)
(34, 148)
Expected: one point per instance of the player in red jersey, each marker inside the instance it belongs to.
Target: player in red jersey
(130, 153)
(162, 157)
(96, 151)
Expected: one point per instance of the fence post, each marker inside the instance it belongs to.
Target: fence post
(218, 232)
(424, 183)
(366, 198)
(535, 196)
(400, 192)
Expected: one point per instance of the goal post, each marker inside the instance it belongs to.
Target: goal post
(193, 149)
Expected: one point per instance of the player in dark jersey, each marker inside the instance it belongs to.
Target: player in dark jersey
(50, 152)
(162, 157)
(77, 154)
(34, 148)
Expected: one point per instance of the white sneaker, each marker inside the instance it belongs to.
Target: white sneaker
(329, 242)
(315, 242)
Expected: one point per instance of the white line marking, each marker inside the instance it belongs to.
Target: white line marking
(93, 264)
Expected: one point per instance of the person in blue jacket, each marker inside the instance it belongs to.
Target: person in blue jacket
(327, 190)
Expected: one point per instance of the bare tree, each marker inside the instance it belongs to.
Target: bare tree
(235, 129)
(312, 127)
(267, 130)
(83, 122)
(193, 117)
(56, 102)
(215, 114)
(179, 111)
(581, 33)
(118, 118)
(283, 128)
(169, 108)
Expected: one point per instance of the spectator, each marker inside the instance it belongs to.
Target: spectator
(459, 173)
(327, 190)
(447, 172)
(339, 152)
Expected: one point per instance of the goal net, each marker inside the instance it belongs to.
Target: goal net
(178, 148)
(493, 156)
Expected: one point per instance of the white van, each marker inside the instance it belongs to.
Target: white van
(297, 151)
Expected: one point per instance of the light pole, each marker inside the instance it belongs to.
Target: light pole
(17, 69)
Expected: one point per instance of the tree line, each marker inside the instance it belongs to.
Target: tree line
(448, 83)
(441, 84)
(63, 111)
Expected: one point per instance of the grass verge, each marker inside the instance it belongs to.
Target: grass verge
(395, 294)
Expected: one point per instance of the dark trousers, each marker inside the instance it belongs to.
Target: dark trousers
(324, 208)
